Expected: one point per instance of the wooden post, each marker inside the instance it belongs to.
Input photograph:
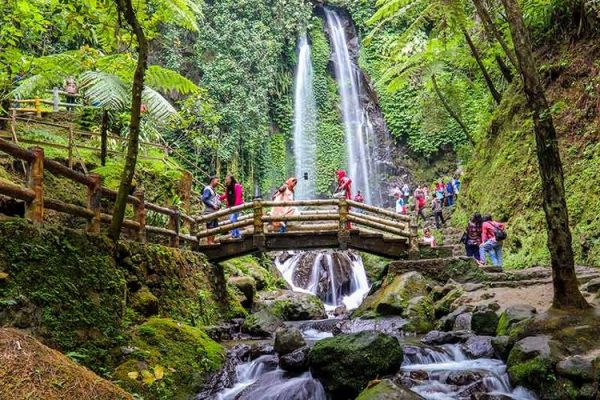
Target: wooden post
(70, 146)
(103, 138)
(259, 229)
(139, 210)
(35, 182)
(174, 226)
(413, 250)
(55, 99)
(344, 232)
(94, 196)
(185, 186)
(38, 108)
(13, 125)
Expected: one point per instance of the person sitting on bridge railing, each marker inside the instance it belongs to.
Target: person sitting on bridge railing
(284, 193)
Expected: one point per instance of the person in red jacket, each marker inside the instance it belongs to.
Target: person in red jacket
(233, 197)
(344, 188)
(489, 243)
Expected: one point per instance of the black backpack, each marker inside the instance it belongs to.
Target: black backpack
(499, 233)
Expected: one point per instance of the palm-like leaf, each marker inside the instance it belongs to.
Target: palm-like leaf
(168, 80)
(104, 90)
(158, 107)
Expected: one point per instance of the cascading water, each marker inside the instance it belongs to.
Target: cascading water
(357, 127)
(304, 123)
(337, 278)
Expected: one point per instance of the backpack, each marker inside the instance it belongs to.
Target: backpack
(499, 233)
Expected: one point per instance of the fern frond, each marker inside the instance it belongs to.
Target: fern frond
(104, 90)
(166, 80)
(159, 108)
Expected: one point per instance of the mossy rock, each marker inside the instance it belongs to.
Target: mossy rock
(263, 323)
(444, 306)
(346, 363)
(145, 303)
(531, 362)
(290, 306)
(513, 315)
(420, 315)
(484, 322)
(386, 389)
(394, 295)
(169, 361)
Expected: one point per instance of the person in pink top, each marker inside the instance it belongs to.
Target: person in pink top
(490, 243)
(233, 197)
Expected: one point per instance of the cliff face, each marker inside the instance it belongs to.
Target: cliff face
(502, 175)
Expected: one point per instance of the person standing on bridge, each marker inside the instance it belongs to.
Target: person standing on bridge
(359, 199)
(211, 204)
(344, 188)
(233, 197)
(284, 193)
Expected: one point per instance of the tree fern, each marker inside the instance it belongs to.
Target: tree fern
(104, 90)
(158, 107)
(167, 80)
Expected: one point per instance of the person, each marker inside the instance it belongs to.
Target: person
(472, 236)
(233, 196)
(406, 192)
(344, 188)
(439, 192)
(449, 194)
(71, 89)
(400, 204)
(436, 209)
(419, 204)
(428, 238)
(211, 204)
(284, 193)
(456, 184)
(489, 241)
(425, 190)
(359, 199)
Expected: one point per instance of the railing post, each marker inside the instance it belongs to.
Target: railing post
(259, 229)
(35, 182)
(55, 99)
(139, 210)
(38, 108)
(413, 241)
(344, 231)
(94, 196)
(174, 226)
(70, 146)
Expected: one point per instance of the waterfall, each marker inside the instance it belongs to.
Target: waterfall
(337, 278)
(357, 127)
(305, 124)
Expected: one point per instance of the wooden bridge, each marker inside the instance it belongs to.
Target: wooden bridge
(317, 224)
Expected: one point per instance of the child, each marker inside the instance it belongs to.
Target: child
(428, 237)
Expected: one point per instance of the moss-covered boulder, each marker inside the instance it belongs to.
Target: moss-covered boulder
(346, 363)
(419, 314)
(287, 340)
(263, 323)
(386, 389)
(250, 266)
(145, 303)
(531, 362)
(394, 295)
(246, 287)
(484, 322)
(290, 306)
(168, 360)
(444, 306)
(513, 315)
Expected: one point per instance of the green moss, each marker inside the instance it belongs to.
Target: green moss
(444, 305)
(394, 295)
(530, 373)
(184, 354)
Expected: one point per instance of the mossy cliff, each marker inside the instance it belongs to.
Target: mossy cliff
(85, 296)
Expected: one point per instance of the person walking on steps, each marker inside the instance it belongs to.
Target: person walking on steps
(406, 192)
(233, 197)
(284, 193)
(450, 194)
(436, 209)
(472, 236)
(419, 204)
(492, 235)
(400, 204)
(211, 204)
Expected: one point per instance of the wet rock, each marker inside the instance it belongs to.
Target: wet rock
(262, 324)
(591, 286)
(419, 314)
(577, 368)
(531, 361)
(472, 390)
(479, 347)
(346, 363)
(393, 297)
(261, 349)
(463, 322)
(226, 377)
(387, 389)
(491, 396)
(588, 391)
(436, 338)
(246, 287)
(438, 292)
(339, 311)
(288, 340)
(290, 306)
(471, 287)
(463, 378)
(512, 315)
(446, 323)
(145, 303)
(484, 321)
(224, 331)
(296, 361)
(502, 346)
(444, 305)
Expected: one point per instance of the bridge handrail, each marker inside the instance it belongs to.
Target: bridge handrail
(378, 210)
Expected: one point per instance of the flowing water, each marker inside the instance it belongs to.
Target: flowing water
(358, 129)
(337, 278)
(305, 124)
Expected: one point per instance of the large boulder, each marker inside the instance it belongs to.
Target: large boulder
(479, 347)
(513, 315)
(577, 368)
(531, 361)
(484, 320)
(290, 306)
(288, 340)
(436, 338)
(419, 314)
(395, 294)
(346, 363)
(262, 323)
(444, 306)
(296, 361)
(447, 322)
(246, 287)
(386, 389)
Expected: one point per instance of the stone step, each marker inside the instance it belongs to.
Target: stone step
(533, 282)
(461, 269)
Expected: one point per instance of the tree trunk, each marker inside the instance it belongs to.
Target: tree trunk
(126, 9)
(506, 72)
(452, 113)
(492, 31)
(566, 291)
(486, 76)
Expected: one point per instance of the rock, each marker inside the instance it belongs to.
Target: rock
(290, 306)
(438, 292)
(437, 338)
(463, 378)
(262, 324)
(463, 322)
(591, 286)
(479, 347)
(502, 346)
(340, 310)
(558, 389)
(419, 314)
(288, 340)
(577, 368)
(471, 287)
(588, 391)
(145, 303)
(513, 315)
(296, 361)
(227, 376)
(247, 287)
(531, 361)
(261, 349)
(484, 321)
(444, 305)
(393, 297)
(472, 390)
(347, 362)
(386, 389)
(491, 396)
(446, 323)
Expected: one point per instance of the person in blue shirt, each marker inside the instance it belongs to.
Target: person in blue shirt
(449, 194)
(212, 204)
